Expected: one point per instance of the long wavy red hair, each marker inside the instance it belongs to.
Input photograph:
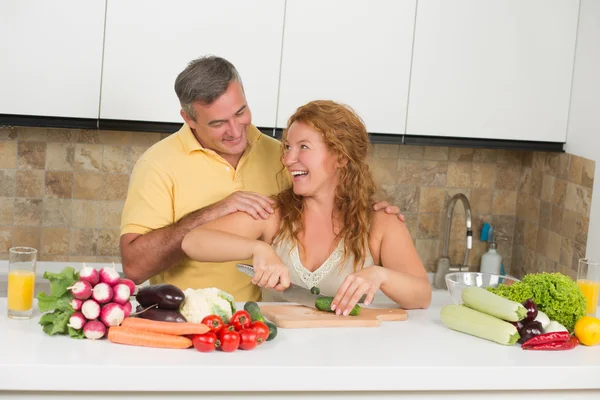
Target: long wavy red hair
(346, 137)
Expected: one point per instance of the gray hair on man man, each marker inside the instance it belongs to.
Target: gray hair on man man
(203, 81)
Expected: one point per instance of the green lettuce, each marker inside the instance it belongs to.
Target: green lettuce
(557, 295)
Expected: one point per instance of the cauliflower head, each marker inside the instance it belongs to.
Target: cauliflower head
(199, 303)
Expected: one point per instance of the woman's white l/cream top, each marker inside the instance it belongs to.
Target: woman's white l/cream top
(328, 277)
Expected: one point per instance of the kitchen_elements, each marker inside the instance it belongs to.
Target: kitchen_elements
(432, 360)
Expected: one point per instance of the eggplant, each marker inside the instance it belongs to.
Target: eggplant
(158, 314)
(165, 296)
(529, 330)
(517, 324)
(532, 310)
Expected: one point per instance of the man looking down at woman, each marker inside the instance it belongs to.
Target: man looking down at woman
(323, 232)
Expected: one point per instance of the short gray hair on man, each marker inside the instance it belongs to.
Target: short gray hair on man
(203, 81)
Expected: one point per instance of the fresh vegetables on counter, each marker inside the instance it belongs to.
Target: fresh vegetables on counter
(164, 296)
(572, 342)
(94, 304)
(84, 304)
(199, 303)
(169, 328)
(587, 330)
(57, 304)
(252, 308)
(464, 319)
(146, 338)
(157, 314)
(489, 316)
(168, 303)
(554, 316)
(557, 295)
(160, 302)
(244, 332)
(546, 311)
(247, 329)
(324, 304)
(542, 340)
(489, 303)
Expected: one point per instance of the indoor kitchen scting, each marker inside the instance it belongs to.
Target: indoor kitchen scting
(490, 102)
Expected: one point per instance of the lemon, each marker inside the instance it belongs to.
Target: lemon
(587, 330)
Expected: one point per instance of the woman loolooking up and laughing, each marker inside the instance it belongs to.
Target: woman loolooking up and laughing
(323, 232)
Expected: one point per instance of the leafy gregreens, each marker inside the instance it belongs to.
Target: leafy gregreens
(557, 295)
(59, 303)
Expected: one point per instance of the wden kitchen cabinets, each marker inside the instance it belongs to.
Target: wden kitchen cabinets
(478, 69)
(357, 52)
(149, 42)
(493, 69)
(51, 57)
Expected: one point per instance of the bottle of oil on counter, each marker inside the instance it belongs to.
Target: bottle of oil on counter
(491, 262)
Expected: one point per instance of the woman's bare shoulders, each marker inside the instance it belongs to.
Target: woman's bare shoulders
(381, 223)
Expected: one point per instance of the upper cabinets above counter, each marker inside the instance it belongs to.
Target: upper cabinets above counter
(494, 69)
(51, 57)
(355, 51)
(148, 43)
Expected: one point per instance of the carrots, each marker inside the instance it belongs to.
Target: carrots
(148, 333)
(169, 328)
(138, 337)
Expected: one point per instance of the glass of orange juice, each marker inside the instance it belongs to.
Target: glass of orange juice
(588, 279)
(21, 282)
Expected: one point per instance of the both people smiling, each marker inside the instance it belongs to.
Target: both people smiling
(219, 182)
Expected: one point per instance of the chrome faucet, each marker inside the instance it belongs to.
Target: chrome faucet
(444, 265)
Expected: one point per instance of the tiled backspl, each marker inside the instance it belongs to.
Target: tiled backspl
(62, 191)
(539, 203)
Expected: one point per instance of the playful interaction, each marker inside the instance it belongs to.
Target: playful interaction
(301, 210)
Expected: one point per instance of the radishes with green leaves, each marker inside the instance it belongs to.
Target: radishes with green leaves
(102, 293)
(121, 293)
(76, 304)
(81, 290)
(94, 330)
(109, 276)
(127, 309)
(112, 314)
(87, 303)
(90, 309)
(129, 284)
(77, 320)
(89, 274)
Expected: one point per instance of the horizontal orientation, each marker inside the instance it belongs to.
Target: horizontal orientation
(376, 138)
